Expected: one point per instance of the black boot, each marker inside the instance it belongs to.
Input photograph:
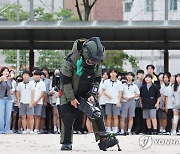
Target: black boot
(107, 143)
(66, 146)
(155, 132)
(149, 132)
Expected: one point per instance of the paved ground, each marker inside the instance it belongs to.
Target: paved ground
(46, 144)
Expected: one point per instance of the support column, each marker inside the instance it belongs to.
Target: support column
(166, 52)
(166, 60)
(31, 10)
(31, 60)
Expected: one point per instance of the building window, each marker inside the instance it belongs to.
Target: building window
(128, 6)
(149, 5)
(173, 4)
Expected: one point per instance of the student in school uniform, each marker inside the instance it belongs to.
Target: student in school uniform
(149, 100)
(39, 92)
(162, 114)
(112, 88)
(130, 92)
(168, 105)
(25, 95)
(176, 104)
(101, 97)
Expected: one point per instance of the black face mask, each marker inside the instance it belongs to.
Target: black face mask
(19, 80)
(123, 82)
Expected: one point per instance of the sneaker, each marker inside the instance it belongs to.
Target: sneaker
(79, 132)
(31, 132)
(155, 133)
(24, 132)
(67, 147)
(129, 133)
(36, 131)
(42, 131)
(178, 133)
(161, 133)
(10, 132)
(19, 132)
(84, 132)
(166, 133)
(107, 143)
(55, 132)
(173, 133)
(27, 131)
(123, 134)
(75, 132)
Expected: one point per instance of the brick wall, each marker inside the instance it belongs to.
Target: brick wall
(103, 9)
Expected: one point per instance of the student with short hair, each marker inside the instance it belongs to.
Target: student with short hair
(25, 96)
(39, 92)
(149, 100)
(130, 92)
(112, 88)
(150, 69)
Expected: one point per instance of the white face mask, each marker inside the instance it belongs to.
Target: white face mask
(12, 75)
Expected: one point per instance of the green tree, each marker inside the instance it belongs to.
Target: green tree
(66, 14)
(41, 15)
(51, 59)
(116, 59)
(10, 14)
(11, 57)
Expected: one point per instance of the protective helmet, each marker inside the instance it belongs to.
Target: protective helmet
(93, 49)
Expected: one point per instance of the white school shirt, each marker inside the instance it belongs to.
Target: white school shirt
(102, 99)
(169, 94)
(38, 88)
(113, 89)
(162, 91)
(25, 90)
(14, 88)
(130, 90)
(176, 98)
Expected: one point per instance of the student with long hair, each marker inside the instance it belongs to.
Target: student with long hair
(5, 101)
(176, 103)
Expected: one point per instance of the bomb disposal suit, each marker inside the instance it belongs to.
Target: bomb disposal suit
(81, 74)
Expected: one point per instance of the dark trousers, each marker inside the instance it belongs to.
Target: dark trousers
(138, 120)
(49, 115)
(68, 114)
(169, 120)
(80, 122)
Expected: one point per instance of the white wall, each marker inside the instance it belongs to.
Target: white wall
(152, 56)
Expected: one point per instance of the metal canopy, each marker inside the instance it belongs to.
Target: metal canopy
(142, 35)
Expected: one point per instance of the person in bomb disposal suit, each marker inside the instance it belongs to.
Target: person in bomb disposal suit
(81, 74)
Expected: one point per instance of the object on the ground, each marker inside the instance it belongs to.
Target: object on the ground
(89, 108)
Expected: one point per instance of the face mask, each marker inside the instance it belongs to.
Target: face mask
(12, 75)
(19, 80)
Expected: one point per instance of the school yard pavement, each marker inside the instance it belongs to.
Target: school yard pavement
(49, 144)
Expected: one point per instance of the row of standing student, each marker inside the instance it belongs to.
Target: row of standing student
(30, 99)
(134, 105)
